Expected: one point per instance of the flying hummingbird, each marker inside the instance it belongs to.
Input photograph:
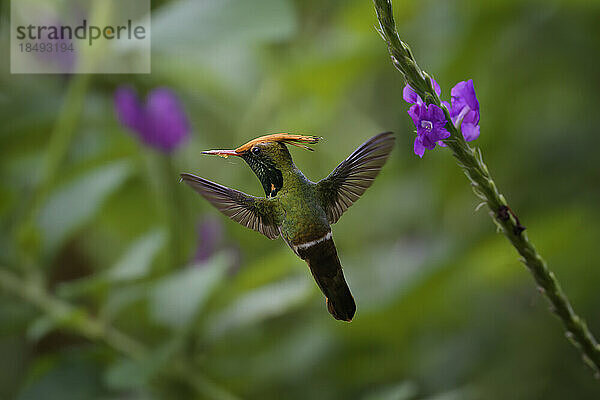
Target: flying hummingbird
(298, 210)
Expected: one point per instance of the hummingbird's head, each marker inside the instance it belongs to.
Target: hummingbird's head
(269, 157)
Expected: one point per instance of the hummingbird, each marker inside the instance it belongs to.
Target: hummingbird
(297, 209)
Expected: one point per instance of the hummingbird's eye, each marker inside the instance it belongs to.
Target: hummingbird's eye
(255, 151)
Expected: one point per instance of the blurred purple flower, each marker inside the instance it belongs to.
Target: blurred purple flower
(431, 126)
(56, 51)
(210, 237)
(160, 123)
(211, 241)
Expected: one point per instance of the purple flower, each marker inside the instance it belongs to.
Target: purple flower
(160, 123)
(431, 126)
(464, 109)
(430, 120)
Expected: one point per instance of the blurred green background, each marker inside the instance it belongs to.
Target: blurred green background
(102, 297)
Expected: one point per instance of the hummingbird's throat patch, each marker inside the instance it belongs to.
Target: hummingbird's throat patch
(270, 178)
(274, 189)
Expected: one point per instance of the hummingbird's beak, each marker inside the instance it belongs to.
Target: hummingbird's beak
(222, 153)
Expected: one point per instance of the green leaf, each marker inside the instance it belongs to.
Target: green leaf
(40, 327)
(71, 377)
(121, 297)
(75, 203)
(177, 298)
(136, 262)
(129, 374)
(70, 318)
(133, 374)
(266, 302)
(400, 391)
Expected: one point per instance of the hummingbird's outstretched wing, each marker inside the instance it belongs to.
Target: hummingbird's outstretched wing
(354, 175)
(252, 212)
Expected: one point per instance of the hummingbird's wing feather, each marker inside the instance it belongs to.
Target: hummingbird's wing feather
(252, 212)
(354, 175)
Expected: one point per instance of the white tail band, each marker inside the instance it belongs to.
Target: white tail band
(313, 242)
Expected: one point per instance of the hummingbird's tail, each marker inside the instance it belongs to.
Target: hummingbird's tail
(322, 259)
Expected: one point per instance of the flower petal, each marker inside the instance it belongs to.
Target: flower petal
(441, 134)
(419, 149)
(472, 117)
(463, 94)
(470, 131)
(410, 96)
(428, 142)
(437, 114)
(430, 121)
(415, 113)
(436, 87)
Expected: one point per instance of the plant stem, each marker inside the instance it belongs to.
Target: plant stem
(164, 182)
(471, 161)
(78, 321)
(26, 231)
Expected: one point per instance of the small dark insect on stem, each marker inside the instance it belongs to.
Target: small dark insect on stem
(504, 213)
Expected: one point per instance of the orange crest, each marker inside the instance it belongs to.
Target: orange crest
(288, 138)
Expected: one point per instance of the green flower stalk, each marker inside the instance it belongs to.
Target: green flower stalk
(426, 115)
(77, 320)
